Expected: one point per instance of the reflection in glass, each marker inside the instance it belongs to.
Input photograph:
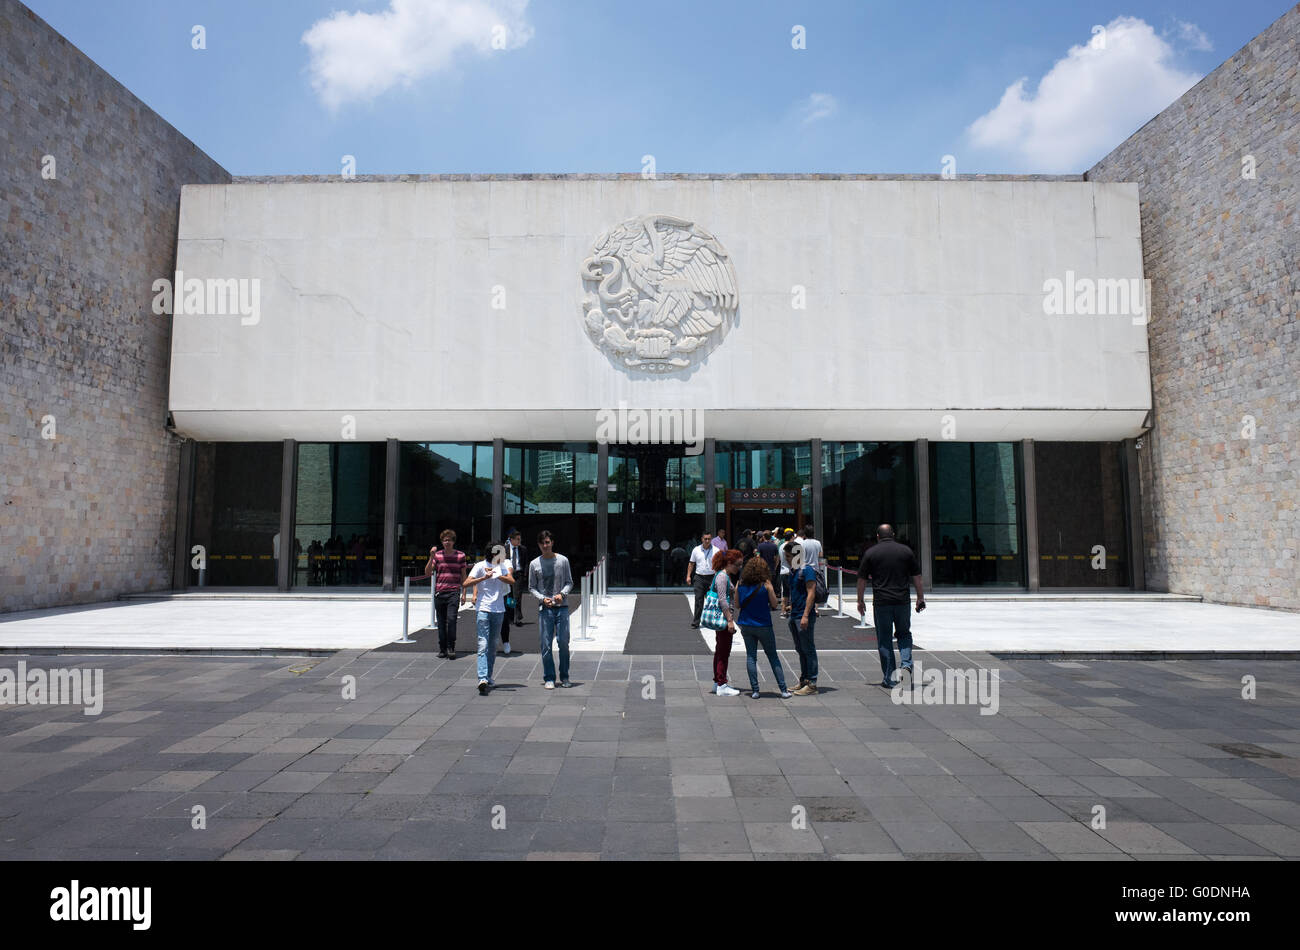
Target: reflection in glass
(865, 484)
(552, 486)
(1081, 537)
(975, 497)
(339, 521)
(236, 513)
(442, 485)
(743, 465)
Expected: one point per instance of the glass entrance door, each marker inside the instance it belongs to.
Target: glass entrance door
(656, 513)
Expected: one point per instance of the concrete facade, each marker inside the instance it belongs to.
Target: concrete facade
(1221, 499)
(923, 298)
(87, 467)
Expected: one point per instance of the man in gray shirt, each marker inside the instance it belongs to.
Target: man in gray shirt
(550, 580)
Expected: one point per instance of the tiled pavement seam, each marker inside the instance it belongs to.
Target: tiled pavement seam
(283, 766)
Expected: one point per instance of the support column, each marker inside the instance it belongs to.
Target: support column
(288, 501)
(1030, 478)
(392, 464)
(602, 500)
(498, 488)
(815, 482)
(184, 510)
(710, 489)
(1133, 514)
(923, 552)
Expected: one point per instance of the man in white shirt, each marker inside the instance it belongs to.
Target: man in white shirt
(699, 572)
(812, 557)
(788, 537)
(493, 580)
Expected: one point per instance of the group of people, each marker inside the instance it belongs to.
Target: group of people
(741, 580)
(738, 580)
(497, 584)
(890, 566)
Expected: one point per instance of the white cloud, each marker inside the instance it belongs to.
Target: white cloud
(1087, 103)
(358, 56)
(819, 105)
(1193, 36)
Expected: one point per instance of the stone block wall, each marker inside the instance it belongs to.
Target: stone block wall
(88, 514)
(1222, 510)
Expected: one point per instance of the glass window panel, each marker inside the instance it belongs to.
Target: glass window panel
(442, 485)
(552, 486)
(236, 513)
(865, 484)
(755, 465)
(340, 514)
(975, 498)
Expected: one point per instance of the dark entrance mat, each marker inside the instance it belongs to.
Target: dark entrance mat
(661, 623)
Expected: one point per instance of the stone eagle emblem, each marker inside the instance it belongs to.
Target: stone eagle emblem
(661, 292)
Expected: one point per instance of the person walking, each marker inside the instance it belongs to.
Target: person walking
(699, 573)
(787, 539)
(720, 542)
(493, 580)
(550, 580)
(517, 556)
(803, 618)
(755, 599)
(767, 551)
(448, 567)
(746, 544)
(726, 565)
(889, 565)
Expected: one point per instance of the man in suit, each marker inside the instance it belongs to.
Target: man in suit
(517, 556)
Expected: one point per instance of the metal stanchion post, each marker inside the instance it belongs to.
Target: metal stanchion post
(595, 591)
(841, 615)
(582, 608)
(433, 602)
(406, 611)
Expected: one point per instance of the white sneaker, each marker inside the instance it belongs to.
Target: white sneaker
(549, 685)
(728, 691)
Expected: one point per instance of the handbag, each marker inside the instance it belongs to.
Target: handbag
(711, 616)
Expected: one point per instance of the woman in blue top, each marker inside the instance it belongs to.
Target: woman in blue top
(755, 598)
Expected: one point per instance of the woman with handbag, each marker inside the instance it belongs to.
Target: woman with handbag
(717, 616)
(755, 601)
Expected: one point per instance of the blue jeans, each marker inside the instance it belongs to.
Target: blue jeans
(554, 623)
(888, 617)
(804, 645)
(753, 637)
(489, 629)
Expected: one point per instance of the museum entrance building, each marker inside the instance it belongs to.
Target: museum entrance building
(357, 365)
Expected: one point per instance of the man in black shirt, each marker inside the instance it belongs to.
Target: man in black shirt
(890, 565)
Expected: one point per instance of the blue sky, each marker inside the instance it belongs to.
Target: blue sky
(416, 86)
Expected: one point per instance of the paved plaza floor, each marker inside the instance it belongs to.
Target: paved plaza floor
(639, 760)
(1117, 623)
